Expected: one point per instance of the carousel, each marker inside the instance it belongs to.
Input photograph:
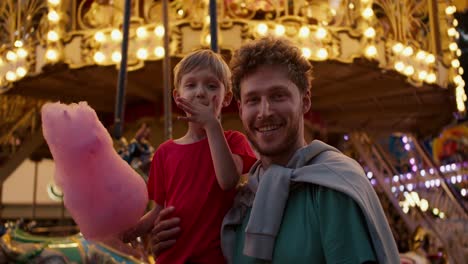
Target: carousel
(388, 91)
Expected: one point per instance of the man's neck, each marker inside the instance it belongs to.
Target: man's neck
(282, 159)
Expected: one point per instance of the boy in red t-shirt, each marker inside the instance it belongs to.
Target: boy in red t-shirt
(197, 173)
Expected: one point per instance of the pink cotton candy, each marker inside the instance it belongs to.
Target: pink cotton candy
(104, 195)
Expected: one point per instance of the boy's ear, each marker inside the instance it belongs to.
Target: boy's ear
(227, 99)
(175, 94)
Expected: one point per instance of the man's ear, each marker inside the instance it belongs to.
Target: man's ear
(227, 99)
(240, 108)
(306, 102)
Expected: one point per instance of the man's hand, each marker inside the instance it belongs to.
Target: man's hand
(165, 232)
(204, 115)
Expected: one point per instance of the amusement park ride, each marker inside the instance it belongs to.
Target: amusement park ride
(387, 79)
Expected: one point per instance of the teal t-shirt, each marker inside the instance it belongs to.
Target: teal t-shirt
(319, 225)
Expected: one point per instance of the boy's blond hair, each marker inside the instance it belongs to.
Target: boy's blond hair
(203, 58)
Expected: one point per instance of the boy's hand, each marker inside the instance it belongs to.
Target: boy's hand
(129, 235)
(205, 115)
(166, 230)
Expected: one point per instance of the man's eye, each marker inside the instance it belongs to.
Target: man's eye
(252, 100)
(278, 96)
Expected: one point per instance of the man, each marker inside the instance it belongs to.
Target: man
(302, 203)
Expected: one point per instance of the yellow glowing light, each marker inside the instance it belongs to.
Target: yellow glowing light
(21, 72)
(52, 55)
(142, 33)
(399, 66)
(207, 19)
(455, 22)
(11, 56)
(304, 32)
(99, 57)
(422, 75)
(450, 10)
(208, 39)
(22, 53)
(280, 30)
(424, 205)
(367, 12)
(99, 36)
(52, 35)
(458, 52)
(142, 53)
(452, 32)
(409, 70)
(371, 51)
(441, 215)
(10, 76)
(116, 35)
(435, 211)
(306, 52)
(159, 52)
(397, 48)
(116, 56)
(461, 71)
(54, 2)
(408, 51)
(351, 6)
(453, 46)
(369, 32)
(321, 33)
(333, 11)
(18, 43)
(431, 78)
(159, 31)
(322, 54)
(421, 55)
(180, 12)
(262, 29)
(53, 16)
(430, 59)
(457, 79)
(455, 63)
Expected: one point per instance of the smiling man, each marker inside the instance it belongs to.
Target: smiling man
(303, 203)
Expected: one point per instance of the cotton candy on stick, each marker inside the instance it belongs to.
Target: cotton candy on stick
(104, 195)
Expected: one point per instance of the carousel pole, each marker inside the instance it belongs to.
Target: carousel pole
(167, 73)
(214, 26)
(122, 80)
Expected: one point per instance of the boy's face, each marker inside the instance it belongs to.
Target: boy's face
(271, 108)
(200, 86)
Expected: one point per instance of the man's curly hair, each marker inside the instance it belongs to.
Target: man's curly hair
(270, 51)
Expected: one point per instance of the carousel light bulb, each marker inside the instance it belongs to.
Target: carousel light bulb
(53, 16)
(280, 30)
(52, 35)
(455, 22)
(180, 12)
(397, 48)
(159, 52)
(22, 53)
(436, 211)
(422, 75)
(10, 76)
(18, 43)
(11, 56)
(116, 35)
(367, 13)
(321, 33)
(21, 72)
(450, 10)
(408, 51)
(441, 215)
(351, 6)
(430, 59)
(159, 31)
(262, 29)
(458, 52)
(208, 39)
(304, 32)
(463, 192)
(421, 55)
(424, 204)
(461, 71)
(453, 46)
(306, 52)
(322, 54)
(54, 2)
(52, 55)
(100, 37)
(423, 173)
(207, 20)
(99, 57)
(399, 66)
(369, 32)
(455, 63)
(142, 33)
(371, 51)
(116, 56)
(457, 79)
(452, 32)
(142, 53)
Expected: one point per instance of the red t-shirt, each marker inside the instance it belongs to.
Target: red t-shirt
(183, 176)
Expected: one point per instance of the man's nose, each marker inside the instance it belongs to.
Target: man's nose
(265, 109)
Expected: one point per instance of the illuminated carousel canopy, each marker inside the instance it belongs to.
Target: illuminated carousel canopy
(382, 65)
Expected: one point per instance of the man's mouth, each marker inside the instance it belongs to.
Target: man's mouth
(268, 128)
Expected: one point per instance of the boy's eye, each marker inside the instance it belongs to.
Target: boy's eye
(189, 85)
(213, 86)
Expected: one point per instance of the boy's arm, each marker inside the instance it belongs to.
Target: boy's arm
(228, 166)
(143, 226)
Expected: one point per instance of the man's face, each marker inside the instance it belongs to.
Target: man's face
(271, 108)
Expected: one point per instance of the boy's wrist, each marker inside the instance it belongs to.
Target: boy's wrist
(213, 124)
